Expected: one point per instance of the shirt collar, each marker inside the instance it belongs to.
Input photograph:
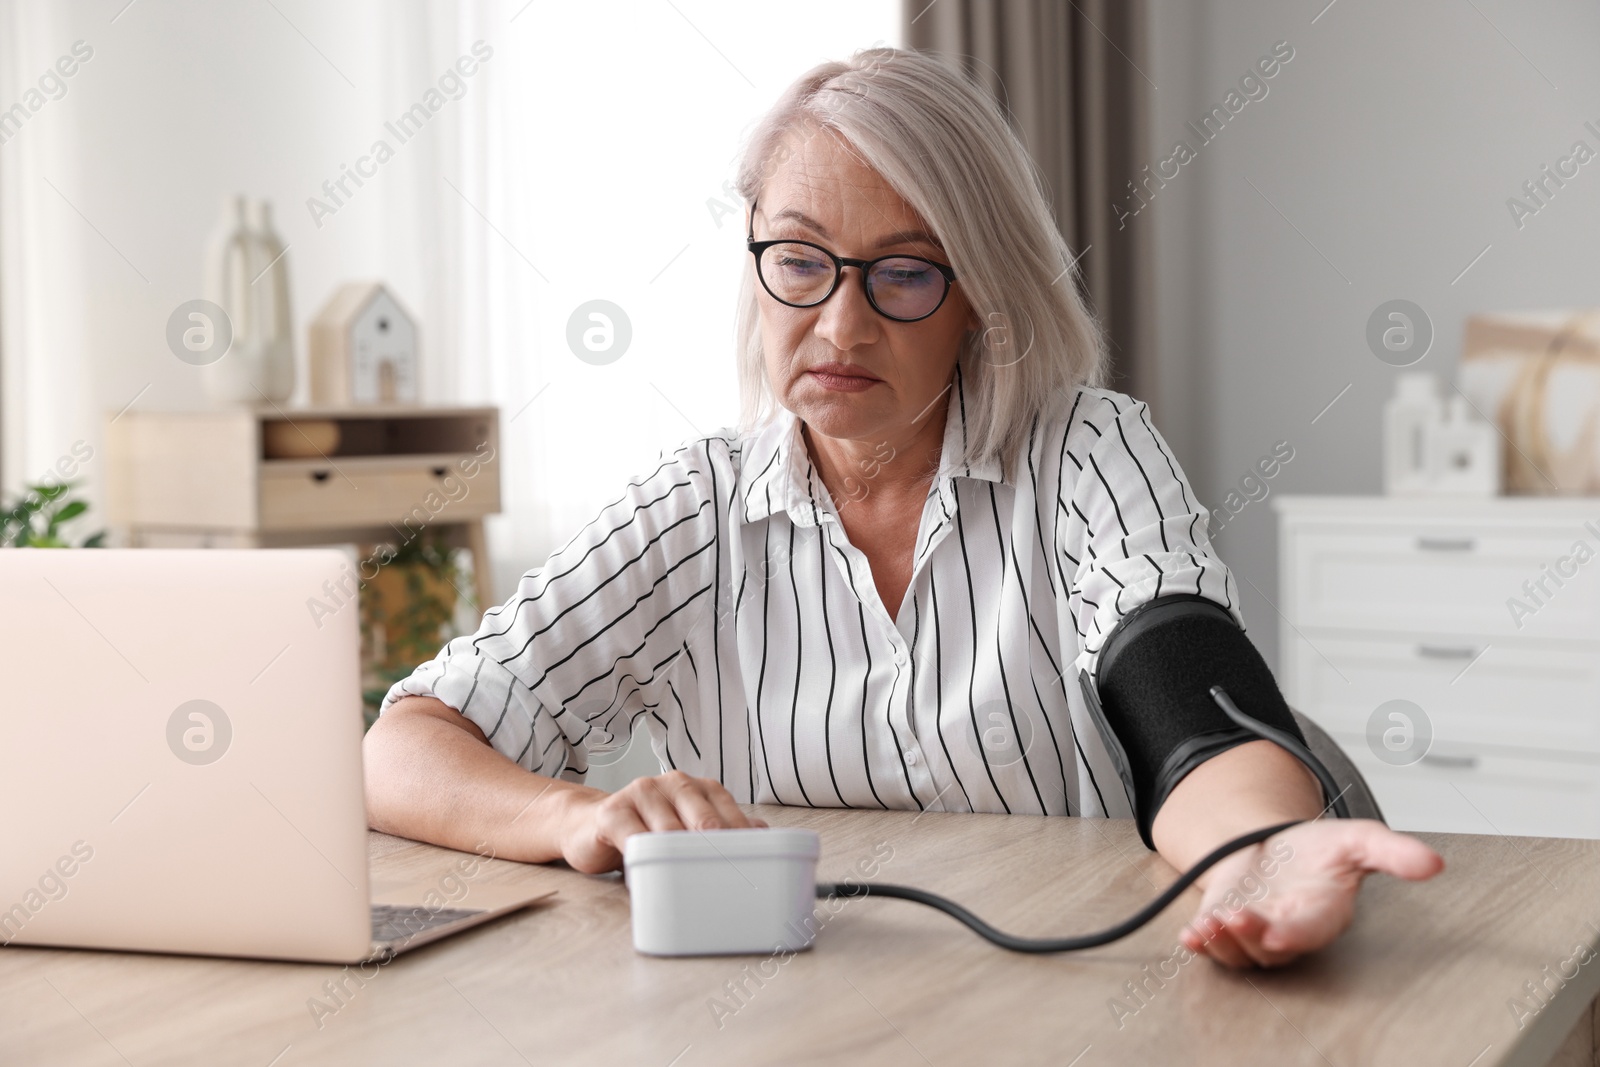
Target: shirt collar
(776, 472)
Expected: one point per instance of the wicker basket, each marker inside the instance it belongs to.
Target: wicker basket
(1537, 374)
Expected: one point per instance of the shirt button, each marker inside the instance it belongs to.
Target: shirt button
(900, 656)
(911, 757)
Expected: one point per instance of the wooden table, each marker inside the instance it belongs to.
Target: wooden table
(1424, 976)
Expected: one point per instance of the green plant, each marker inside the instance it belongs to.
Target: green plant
(35, 519)
(407, 610)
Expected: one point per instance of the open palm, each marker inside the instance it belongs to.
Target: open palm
(1296, 891)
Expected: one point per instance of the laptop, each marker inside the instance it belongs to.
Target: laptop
(180, 762)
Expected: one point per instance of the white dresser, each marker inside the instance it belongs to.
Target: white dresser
(1395, 604)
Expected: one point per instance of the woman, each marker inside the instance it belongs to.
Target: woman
(882, 592)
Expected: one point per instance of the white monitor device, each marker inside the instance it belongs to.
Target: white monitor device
(180, 760)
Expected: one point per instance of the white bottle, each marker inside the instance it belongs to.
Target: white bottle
(1409, 421)
(227, 280)
(247, 275)
(1466, 453)
(272, 310)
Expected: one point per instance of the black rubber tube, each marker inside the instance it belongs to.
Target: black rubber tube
(1053, 944)
(1151, 910)
(1340, 806)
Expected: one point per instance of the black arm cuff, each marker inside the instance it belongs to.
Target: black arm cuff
(1153, 705)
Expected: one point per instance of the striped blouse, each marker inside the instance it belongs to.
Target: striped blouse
(720, 600)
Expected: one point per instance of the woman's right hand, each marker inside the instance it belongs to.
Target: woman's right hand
(597, 824)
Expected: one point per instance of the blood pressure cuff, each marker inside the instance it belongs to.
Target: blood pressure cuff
(1153, 704)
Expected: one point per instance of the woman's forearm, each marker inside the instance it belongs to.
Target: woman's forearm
(1244, 788)
(431, 777)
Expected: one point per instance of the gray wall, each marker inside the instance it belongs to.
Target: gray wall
(1387, 147)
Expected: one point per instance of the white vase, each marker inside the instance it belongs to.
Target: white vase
(247, 274)
(277, 354)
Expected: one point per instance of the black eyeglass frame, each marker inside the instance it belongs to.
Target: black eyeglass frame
(839, 264)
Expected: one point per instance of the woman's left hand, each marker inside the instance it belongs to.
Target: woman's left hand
(1296, 891)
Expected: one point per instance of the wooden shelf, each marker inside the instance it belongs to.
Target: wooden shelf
(201, 478)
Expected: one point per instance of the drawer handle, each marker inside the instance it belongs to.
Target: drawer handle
(1447, 651)
(1458, 762)
(319, 476)
(1446, 544)
(440, 472)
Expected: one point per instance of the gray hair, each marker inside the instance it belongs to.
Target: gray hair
(943, 144)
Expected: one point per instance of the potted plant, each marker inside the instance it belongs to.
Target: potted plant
(35, 519)
(407, 612)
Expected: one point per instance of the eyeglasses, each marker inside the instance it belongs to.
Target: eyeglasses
(803, 274)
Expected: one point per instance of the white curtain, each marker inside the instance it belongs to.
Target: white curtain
(588, 160)
(44, 408)
(584, 160)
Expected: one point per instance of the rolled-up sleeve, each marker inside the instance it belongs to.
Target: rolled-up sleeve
(1134, 529)
(562, 667)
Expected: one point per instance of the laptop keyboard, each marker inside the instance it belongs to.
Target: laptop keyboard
(401, 922)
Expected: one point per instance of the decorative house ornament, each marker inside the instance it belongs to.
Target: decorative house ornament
(363, 349)
(1434, 447)
(1537, 373)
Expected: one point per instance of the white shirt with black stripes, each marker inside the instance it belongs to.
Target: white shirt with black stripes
(721, 601)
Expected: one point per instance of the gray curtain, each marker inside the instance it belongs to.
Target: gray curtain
(1068, 74)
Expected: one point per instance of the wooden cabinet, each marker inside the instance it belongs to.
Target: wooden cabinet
(1484, 614)
(205, 478)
